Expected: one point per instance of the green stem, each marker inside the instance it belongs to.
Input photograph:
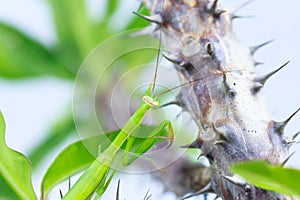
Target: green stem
(93, 176)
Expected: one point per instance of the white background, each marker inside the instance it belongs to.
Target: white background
(31, 106)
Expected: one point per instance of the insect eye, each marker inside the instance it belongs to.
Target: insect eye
(151, 102)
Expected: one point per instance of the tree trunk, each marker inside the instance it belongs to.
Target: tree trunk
(223, 94)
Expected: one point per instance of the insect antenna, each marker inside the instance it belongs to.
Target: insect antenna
(178, 86)
(158, 53)
(186, 83)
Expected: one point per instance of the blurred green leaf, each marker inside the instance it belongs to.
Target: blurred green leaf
(15, 171)
(21, 56)
(112, 6)
(75, 158)
(270, 177)
(73, 29)
(63, 129)
(101, 30)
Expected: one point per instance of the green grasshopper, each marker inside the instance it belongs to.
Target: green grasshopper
(90, 180)
(94, 177)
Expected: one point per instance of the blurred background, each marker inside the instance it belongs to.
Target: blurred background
(44, 42)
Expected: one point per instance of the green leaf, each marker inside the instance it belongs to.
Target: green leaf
(112, 6)
(15, 171)
(73, 29)
(270, 177)
(75, 158)
(21, 56)
(63, 129)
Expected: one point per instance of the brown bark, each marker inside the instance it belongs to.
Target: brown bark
(223, 95)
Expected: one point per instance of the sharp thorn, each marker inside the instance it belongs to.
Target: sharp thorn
(170, 103)
(154, 19)
(214, 10)
(208, 188)
(233, 17)
(291, 142)
(236, 180)
(61, 194)
(281, 125)
(147, 197)
(262, 80)
(255, 48)
(178, 61)
(173, 60)
(118, 191)
(242, 6)
(295, 136)
(287, 159)
(219, 13)
(222, 136)
(217, 196)
(194, 145)
(257, 86)
(258, 63)
(290, 117)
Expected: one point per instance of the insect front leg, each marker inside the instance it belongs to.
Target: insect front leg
(136, 146)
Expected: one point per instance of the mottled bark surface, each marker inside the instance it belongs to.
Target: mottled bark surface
(224, 93)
